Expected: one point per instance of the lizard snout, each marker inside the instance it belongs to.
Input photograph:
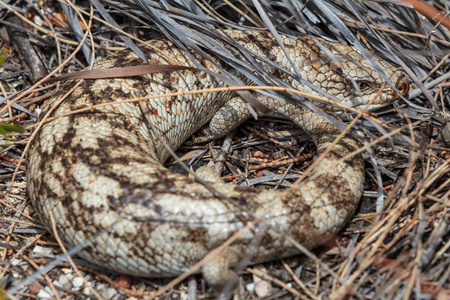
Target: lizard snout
(402, 85)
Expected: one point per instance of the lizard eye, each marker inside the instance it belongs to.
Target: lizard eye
(362, 85)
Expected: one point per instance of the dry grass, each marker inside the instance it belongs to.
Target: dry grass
(396, 246)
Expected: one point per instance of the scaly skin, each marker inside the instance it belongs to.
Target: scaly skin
(101, 172)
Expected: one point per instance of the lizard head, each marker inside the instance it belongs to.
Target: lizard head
(357, 83)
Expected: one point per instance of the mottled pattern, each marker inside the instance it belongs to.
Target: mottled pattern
(101, 171)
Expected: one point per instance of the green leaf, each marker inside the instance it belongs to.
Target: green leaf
(6, 128)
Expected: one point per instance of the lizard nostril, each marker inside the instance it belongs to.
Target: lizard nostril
(403, 85)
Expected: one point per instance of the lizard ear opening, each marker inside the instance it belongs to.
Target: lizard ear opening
(336, 73)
